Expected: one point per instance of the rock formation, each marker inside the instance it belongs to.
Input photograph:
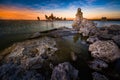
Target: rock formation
(116, 39)
(83, 25)
(104, 43)
(24, 58)
(105, 50)
(98, 65)
(98, 76)
(92, 39)
(78, 19)
(64, 71)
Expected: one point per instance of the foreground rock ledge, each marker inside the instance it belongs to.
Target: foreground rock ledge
(105, 50)
(22, 60)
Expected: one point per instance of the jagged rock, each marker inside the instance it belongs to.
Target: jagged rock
(92, 39)
(32, 75)
(114, 29)
(105, 36)
(105, 50)
(109, 31)
(83, 25)
(116, 39)
(11, 71)
(30, 53)
(87, 28)
(98, 76)
(98, 64)
(64, 71)
(24, 58)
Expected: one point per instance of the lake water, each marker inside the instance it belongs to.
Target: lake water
(17, 30)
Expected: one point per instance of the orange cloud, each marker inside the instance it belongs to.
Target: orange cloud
(19, 13)
(11, 12)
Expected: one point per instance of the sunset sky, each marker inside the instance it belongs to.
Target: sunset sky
(30, 9)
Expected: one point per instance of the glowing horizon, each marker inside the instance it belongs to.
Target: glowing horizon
(92, 9)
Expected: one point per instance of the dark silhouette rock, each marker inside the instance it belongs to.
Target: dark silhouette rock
(98, 76)
(38, 18)
(52, 17)
(116, 39)
(117, 65)
(98, 64)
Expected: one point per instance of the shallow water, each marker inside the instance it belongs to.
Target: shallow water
(73, 44)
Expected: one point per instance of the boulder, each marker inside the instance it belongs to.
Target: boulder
(64, 71)
(98, 76)
(105, 50)
(11, 71)
(92, 39)
(83, 25)
(87, 28)
(114, 29)
(98, 64)
(108, 32)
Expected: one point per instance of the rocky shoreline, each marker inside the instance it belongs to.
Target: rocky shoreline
(104, 45)
(33, 58)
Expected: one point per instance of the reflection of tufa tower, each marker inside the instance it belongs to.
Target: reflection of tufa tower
(79, 14)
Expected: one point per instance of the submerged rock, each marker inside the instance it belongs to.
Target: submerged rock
(98, 76)
(105, 50)
(64, 71)
(35, 35)
(61, 32)
(98, 64)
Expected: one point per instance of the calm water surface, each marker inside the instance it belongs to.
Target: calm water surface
(17, 30)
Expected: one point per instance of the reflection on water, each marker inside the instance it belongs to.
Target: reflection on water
(68, 45)
(68, 48)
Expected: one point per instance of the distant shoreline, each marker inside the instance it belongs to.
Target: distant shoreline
(59, 20)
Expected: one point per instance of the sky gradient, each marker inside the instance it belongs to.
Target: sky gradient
(30, 9)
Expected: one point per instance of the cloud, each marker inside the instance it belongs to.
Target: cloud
(13, 12)
(90, 1)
